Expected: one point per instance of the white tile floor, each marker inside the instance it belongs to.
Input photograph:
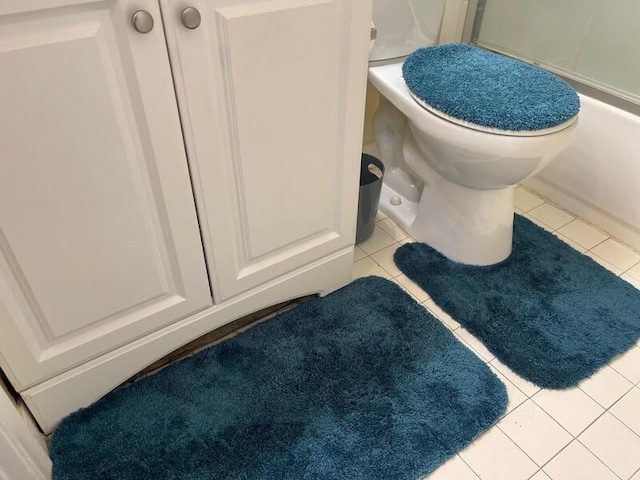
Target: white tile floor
(591, 432)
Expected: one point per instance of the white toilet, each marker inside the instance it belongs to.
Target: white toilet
(448, 183)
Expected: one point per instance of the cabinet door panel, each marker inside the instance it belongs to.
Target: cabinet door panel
(285, 163)
(99, 241)
(272, 95)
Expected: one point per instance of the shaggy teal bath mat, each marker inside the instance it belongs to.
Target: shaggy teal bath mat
(361, 384)
(551, 314)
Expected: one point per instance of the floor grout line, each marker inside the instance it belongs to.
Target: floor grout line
(594, 454)
(516, 444)
(465, 462)
(535, 473)
(630, 268)
(600, 243)
(558, 453)
(575, 437)
(586, 448)
(633, 382)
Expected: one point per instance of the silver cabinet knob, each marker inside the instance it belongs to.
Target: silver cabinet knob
(191, 18)
(142, 21)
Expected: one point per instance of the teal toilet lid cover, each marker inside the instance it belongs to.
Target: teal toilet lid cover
(487, 89)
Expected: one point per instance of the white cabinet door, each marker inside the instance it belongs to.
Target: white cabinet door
(271, 94)
(99, 241)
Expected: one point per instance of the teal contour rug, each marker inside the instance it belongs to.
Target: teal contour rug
(361, 384)
(551, 314)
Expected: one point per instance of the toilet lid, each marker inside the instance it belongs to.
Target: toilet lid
(489, 92)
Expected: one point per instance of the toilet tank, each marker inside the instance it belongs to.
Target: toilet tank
(404, 26)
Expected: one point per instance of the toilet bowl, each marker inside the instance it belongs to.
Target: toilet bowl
(449, 180)
(449, 183)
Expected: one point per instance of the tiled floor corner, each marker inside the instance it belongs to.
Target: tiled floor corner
(591, 432)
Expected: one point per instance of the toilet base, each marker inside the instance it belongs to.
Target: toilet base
(466, 225)
(404, 214)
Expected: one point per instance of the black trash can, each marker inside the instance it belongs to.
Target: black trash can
(371, 173)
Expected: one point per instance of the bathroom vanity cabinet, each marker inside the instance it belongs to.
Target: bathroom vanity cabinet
(167, 167)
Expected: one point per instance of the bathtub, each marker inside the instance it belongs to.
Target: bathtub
(598, 177)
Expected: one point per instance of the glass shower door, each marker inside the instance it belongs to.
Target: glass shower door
(589, 41)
